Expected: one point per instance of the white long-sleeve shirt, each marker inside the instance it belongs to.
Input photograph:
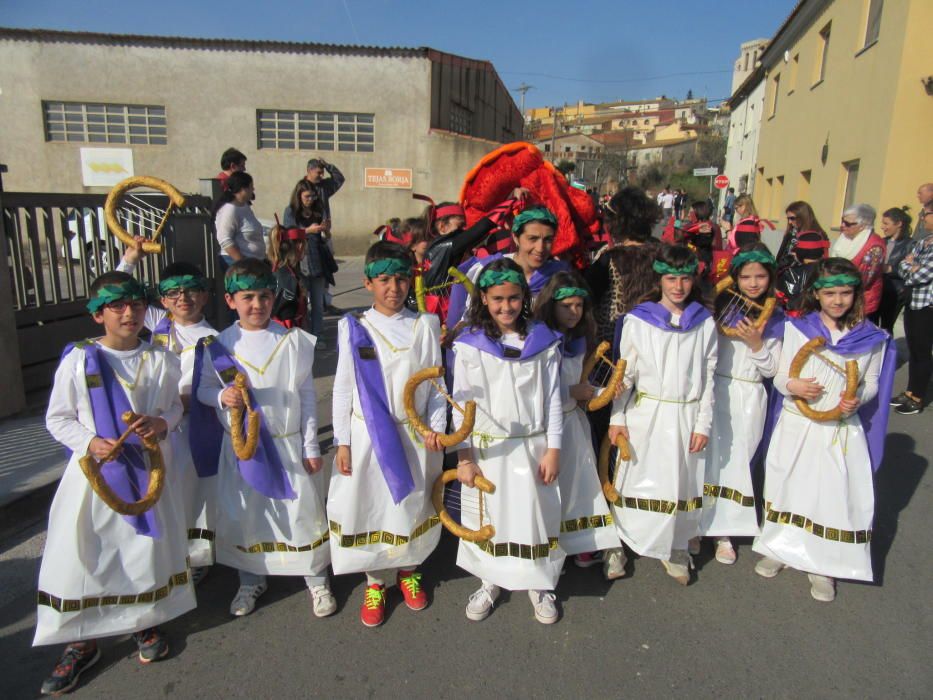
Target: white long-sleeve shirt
(256, 348)
(398, 330)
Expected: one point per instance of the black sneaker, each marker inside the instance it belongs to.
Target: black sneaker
(152, 645)
(900, 399)
(75, 661)
(909, 407)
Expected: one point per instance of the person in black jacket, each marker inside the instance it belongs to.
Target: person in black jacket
(895, 229)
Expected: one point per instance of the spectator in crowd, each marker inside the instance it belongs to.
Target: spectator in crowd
(232, 161)
(748, 228)
(925, 197)
(728, 205)
(805, 243)
(866, 249)
(239, 232)
(917, 272)
(800, 218)
(326, 187)
(895, 229)
(666, 200)
(306, 211)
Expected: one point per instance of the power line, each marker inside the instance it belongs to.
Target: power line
(623, 80)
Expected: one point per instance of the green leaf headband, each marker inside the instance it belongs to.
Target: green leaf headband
(388, 266)
(837, 281)
(758, 256)
(567, 292)
(109, 293)
(194, 282)
(490, 278)
(243, 283)
(662, 268)
(536, 214)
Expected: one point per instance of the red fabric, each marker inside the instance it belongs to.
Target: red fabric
(746, 231)
(449, 210)
(874, 288)
(720, 267)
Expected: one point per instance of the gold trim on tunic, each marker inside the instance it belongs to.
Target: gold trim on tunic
(363, 539)
(66, 605)
(517, 550)
(587, 523)
(272, 547)
(656, 505)
(730, 494)
(828, 533)
(197, 533)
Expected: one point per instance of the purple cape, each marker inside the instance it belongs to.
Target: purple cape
(127, 475)
(872, 414)
(162, 331)
(539, 339)
(458, 294)
(264, 472)
(572, 347)
(378, 417)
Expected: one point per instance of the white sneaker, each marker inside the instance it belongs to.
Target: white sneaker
(822, 588)
(545, 610)
(614, 564)
(725, 552)
(769, 568)
(678, 568)
(322, 601)
(245, 600)
(480, 604)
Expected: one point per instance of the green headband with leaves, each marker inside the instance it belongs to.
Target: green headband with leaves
(388, 266)
(244, 283)
(567, 292)
(195, 282)
(109, 293)
(536, 214)
(842, 280)
(662, 268)
(490, 278)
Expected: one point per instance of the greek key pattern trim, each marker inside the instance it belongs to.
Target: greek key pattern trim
(66, 605)
(730, 494)
(519, 551)
(828, 533)
(586, 523)
(363, 539)
(271, 547)
(656, 505)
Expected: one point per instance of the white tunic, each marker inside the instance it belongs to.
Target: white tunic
(98, 576)
(739, 407)
(369, 532)
(197, 494)
(819, 498)
(518, 418)
(662, 486)
(586, 523)
(256, 533)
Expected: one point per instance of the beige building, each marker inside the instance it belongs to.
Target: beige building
(169, 107)
(847, 107)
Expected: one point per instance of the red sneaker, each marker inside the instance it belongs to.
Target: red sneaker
(410, 583)
(373, 610)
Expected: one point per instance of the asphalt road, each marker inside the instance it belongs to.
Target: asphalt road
(729, 634)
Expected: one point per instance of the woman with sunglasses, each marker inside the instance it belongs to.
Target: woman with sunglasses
(866, 249)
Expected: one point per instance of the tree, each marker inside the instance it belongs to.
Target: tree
(566, 167)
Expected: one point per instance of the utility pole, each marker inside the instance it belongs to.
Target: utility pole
(555, 111)
(523, 88)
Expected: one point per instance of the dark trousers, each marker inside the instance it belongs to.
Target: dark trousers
(891, 305)
(918, 323)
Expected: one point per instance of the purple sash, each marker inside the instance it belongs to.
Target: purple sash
(539, 339)
(862, 338)
(127, 475)
(264, 472)
(379, 420)
(654, 313)
(572, 347)
(162, 332)
(458, 294)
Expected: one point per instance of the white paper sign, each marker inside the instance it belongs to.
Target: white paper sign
(105, 167)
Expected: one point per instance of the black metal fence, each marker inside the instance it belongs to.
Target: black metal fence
(56, 244)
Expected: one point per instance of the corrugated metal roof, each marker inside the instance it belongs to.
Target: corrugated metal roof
(179, 42)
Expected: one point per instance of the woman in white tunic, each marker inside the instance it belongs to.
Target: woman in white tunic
(511, 369)
(740, 401)
(103, 573)
(665, 413)
(178, 326)
(819, 497)
(586, 524)
(378, 524)
(270, 510)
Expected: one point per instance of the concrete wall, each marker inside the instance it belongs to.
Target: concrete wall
(870, 107)
(211, 97)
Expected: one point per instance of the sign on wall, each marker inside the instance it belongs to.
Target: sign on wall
(105, 167)
(387, 178)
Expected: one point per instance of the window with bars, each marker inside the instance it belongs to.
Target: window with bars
(91, 122)
(315, 131)
(461, 120)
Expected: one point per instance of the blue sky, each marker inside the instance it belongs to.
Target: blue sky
(570, 50)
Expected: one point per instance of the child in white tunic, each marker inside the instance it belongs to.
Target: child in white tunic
(379, 506)
(177, 326)
(740, 400)
(103, 573)
(665, 413)
(819, 494)
(511, 369)
(270, 516)
(586, 524)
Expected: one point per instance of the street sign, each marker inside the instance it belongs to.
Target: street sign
(705, 172)
(721, 182)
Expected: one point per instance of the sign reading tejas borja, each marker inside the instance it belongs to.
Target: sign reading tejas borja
(387, 178)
